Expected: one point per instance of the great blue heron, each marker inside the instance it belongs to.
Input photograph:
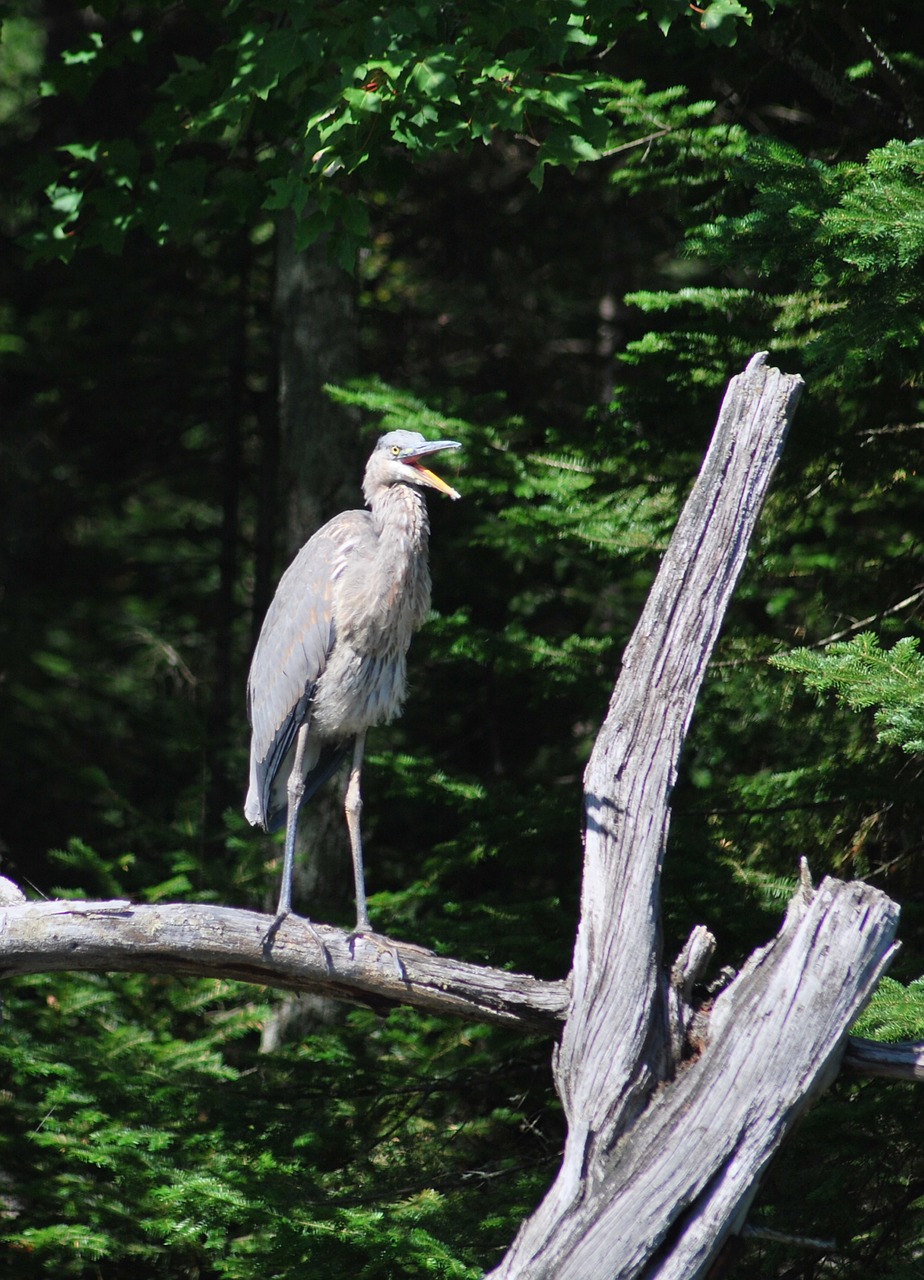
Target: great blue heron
(331, 657)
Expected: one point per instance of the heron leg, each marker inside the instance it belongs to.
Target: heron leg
(295, 789)
(353, 805)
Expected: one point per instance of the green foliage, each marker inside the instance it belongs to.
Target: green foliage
(846, 242)
(559, 497)
(288, 111)
(864, 675)
(141, 1127)
(820, 1173)
(896, 1012)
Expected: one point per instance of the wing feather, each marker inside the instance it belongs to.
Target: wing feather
(296, 640)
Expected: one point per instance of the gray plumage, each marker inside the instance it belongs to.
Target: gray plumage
(331, 659)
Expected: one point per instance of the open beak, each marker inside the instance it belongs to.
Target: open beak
(429, 477)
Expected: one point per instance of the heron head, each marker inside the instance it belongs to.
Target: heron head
(398, 459)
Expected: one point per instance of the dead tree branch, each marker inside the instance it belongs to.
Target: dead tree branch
(218, 942)
(653, 1179)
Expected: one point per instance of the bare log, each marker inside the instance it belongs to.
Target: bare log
(684, 1176)
(617, 989)
(219, 942)
(627, 1178)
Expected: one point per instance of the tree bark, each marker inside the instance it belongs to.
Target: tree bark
(322, 457)
(904, 1061)
(664, 1197)
(220, 942)
(654, 1192)
(205, 941)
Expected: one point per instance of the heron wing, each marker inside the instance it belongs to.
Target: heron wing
(296, 639)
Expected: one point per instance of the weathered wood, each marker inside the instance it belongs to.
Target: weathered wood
(682, 1012)
(654, 1192)
(903, 1061)
(219, 942)
(684, 1175)
(633, 767)
(616, 1044)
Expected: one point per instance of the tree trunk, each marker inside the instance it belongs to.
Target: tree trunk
(652, 1182)
(322, 457)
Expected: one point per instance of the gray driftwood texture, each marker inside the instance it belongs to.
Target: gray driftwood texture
(652, 1183)
(673, 1111)
(220, 942)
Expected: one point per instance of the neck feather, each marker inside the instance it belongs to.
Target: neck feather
(395, 588)
(399, 513)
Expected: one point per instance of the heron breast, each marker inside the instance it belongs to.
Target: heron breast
(358, 690)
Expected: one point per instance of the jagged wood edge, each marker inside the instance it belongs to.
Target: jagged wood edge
(616, 1044)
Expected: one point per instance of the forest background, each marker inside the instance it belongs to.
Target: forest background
(553, 231)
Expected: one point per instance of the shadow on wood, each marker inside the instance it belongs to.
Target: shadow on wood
(653, 1180)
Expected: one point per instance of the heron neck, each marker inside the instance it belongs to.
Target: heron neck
(397, 589)
(399, 516)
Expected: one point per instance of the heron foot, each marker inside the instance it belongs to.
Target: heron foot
(281, 916)
(383, 945)
(363, 929)
(270, 936)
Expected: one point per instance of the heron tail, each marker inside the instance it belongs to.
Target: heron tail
(329, 761)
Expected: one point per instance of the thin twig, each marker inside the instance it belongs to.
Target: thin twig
(854, 627)
(885, 67)
(866, 622)
(785, 1237)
